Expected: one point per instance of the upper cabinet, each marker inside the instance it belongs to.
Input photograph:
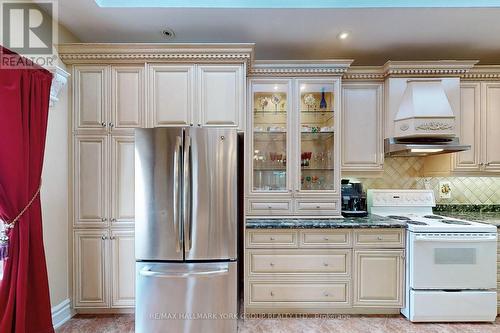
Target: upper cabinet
(362, 127)
(106, 97)
(196, 95)
(292, 148)
(478, 120)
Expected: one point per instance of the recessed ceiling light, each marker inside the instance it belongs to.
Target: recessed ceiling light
(168, 33)
(343, 35)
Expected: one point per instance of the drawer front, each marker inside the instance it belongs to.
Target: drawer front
(299, 262)
(271, 239)
(385, 238)
(317, 206)
(299, 292)
(269, 207)
(325, 239)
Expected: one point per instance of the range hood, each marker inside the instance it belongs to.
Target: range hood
(422, 146)
(425, 122)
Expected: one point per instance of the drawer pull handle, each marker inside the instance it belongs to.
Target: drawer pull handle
(326, 238)
(270, 207)
(272, 293)
(318, 207)
(271, 264)
(380, 237)
(325, 264)
(271, 238)
(326, 294)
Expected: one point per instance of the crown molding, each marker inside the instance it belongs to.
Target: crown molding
(428, 68)
(299, 67)
(81, 53)
(483, 72)
(364, 73)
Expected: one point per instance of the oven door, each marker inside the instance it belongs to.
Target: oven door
(453, 260)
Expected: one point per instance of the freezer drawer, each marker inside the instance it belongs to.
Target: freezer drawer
(186, 297)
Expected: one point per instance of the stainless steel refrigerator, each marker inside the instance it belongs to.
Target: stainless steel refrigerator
(186, 230)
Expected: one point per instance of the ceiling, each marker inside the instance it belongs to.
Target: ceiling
(376, 35)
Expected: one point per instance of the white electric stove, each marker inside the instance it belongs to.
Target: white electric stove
(451, 263)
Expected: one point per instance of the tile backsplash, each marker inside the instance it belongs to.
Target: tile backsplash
(407, 173)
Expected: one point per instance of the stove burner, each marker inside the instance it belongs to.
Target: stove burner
(397, 217)
(455, 222)
(416, 222)
(434, 217)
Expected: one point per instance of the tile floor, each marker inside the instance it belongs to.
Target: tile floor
(342, 324)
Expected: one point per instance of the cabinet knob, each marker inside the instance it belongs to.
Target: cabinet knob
(191, 124)
(271, 238)
(112, 237)
(271, 264)
(103, 219)
(272, 293)
(269, 207)
(487, 163)
(326, 238)
(103, 237)
(325, 264)
(318, 207)
(326, 294)
(199, 125)
(113, 220)
(103, 124)
(481, 164)
(111, 125)
(380, 237)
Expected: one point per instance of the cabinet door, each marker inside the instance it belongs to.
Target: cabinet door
(491, 128)
(362, 139)
(127, 101)
(123, 269)
(468, 120)
(90, 103)
(89, 181)
(220, 95)
(90, 272)
(171, 95)
(122, 180)
(379, 278)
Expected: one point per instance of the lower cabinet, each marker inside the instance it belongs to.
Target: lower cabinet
(104, 268)
(378, 278)
(324, 270)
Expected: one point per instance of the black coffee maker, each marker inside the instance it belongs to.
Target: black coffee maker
(353, 199)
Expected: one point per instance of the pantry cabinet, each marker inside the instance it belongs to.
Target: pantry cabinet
(362, 127)
(478, 119)
(104, 269)
(293, 147)
(107, 97)
(196, 95)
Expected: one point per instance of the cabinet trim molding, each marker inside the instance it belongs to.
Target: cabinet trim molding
(300, 68)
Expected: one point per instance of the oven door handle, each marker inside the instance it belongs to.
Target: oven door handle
(492, 238)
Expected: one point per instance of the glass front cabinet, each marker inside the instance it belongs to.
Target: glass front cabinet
(293, 147)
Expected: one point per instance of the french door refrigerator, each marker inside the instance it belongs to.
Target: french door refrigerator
(186, 230)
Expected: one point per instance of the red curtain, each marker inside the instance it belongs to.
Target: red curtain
(24, 104)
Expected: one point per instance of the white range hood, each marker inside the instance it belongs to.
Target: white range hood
(425, 111)
(422, 117)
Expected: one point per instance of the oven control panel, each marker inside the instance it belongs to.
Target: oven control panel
(401, 198)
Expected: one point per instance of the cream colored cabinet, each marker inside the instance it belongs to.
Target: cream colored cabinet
(123, 268)
(220, 95)
(195, 95)
(90, 97)
(90, 269)
(324, 270)
(171, 94)
(107, 97)
(90, 186)
(292, 152)
(103, 186)
(378, 278)
(127, 96)
(479, 118)
(362, 127)
(104, 269)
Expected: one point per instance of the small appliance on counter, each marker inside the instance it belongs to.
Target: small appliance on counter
(353, 199)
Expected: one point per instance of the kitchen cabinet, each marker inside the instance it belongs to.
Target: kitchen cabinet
(293, 149)
(103, 190)
(196, 95)
(324, 270)
(478, 119)
(378, 278)
(107, 97)
(104, 269)
(362, 127)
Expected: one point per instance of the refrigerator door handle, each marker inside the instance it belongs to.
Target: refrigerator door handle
(176, 195)
(187, 194)
(149, 273)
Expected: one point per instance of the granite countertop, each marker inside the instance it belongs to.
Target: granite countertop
(478, 213)
(371, 221)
